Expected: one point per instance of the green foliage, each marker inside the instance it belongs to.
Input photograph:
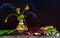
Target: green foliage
(7, 31)
(51, 31)
(2, 32)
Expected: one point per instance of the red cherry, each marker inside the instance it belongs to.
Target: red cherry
(31, 32)
(26, 33)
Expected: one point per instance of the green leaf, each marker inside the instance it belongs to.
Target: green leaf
(2, 32)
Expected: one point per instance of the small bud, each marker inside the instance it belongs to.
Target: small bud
(5, 20)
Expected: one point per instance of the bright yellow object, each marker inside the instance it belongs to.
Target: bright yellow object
(27, 7)
(26, 28)
(18, 10)
(20, 17)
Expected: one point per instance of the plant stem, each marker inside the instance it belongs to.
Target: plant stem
(25, 22)
(9, 16)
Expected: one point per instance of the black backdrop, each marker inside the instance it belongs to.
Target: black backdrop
(47, 12)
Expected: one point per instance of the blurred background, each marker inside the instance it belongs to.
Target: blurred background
(47, 12)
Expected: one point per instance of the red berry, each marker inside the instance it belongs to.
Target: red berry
(26, 32)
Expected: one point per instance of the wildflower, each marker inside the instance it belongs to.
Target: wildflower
(20, 17)
(27, 7)
(18, 10)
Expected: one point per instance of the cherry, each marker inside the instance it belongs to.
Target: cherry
(26, 32)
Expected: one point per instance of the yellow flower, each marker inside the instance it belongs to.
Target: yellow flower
(20, 17)
(27, 7)
(26, 28)
(18, 10)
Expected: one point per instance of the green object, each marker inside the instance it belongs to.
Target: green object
(51, 31)
(2, 32)
(10, 31)
(7, 31)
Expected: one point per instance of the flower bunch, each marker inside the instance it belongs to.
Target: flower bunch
(20, 15)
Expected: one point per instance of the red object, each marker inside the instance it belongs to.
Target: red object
(33, 30)
(41, 31)
(26, 33)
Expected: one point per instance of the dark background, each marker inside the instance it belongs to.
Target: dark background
(46, 10)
